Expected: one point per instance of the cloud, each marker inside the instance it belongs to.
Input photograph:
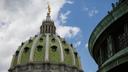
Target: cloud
(64, 17)
(91, 11)
(70, 2)
(86, 45)
(77, 44)
(21, 19)
(67, 31)
(86, 9)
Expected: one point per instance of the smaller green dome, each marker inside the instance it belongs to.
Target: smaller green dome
(46, 48)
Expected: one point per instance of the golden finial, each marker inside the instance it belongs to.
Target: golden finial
(49, 10)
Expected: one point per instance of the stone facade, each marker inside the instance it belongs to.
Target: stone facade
(44, 67)
(108, 43)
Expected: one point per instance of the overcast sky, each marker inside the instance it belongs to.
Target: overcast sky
(74, 19)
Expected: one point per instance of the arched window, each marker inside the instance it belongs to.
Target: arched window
(26, 49)
(54, 48)
(66, 51)
(39, 48)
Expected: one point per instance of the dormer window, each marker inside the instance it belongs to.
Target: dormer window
(41, 39)
(54, 48)
(64, 42)
(53, 39)
(22, 44)
(36, 35)
(75, 53)
(17, 52)
(39, 48)
(59, 36)
(26, 49)
(71, 45)
(30, 40)
(67, 51)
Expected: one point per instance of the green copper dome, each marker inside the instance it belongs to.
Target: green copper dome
(46, 47)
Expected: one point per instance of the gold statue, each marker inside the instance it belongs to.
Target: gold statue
(49, 10)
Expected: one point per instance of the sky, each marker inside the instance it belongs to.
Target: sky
(74, 20)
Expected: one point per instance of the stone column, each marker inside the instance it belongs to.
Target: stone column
(125, 28)
(100, 52)
(50, 29)
(43, 29)
(110, 46)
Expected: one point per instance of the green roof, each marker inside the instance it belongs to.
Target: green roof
(59, 51)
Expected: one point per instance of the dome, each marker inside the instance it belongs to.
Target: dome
(46, 48)
(46, 52)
